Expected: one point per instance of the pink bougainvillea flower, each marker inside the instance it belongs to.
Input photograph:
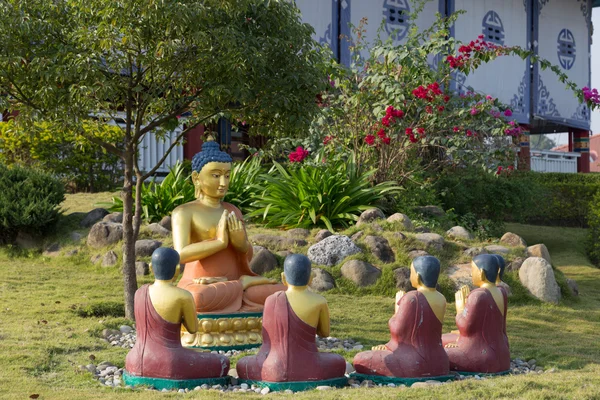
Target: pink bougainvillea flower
(507, 113)
(385, 121)
(421, 131)
(474, 111)
(398, 113)
(299, 155)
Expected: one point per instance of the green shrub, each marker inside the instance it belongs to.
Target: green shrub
(101, 309)
(564, 199)
(332, 193)
(160, 199)
(242, 187)
(29, 201)
(79, 163)
(476, 195)
(593, 239)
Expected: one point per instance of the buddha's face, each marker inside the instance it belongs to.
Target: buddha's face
(213, 179)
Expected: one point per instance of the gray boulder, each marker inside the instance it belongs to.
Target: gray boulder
(332, 250)
(360, 272)
(460, 275)
(276, 243)
(95, 259)
(370, 215)
(475, 251)
(322, 234)
(52, 251)
(515, 264)
(539, 250)
(376, 227)
(158, 230)
(263, 261)
(75, 236)
(380, 247)
(322, 280)
(513, 240)
(431, 211)
(104, 234)
(431, 240)
(402, 278)
(165, 222)
(92, 217)
(417, 253)
(399, 235)
(298, 233)
(357, 236)
(401, 219)
(142, 268)
(458, 232)
(422, 229)
(145, 247)
(573, 287)
(116, 217)
(537, 276)
(496, 249)
(110, 259)
(284, 253)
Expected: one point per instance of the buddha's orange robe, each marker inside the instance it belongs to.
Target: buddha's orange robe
(227, 296)
(289, 351)
(415, 349)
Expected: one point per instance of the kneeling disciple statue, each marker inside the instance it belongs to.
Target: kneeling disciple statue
(415, 351)
(158, 358)
(482, 344)
(289, 357)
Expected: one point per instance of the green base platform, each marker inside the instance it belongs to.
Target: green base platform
(483, 373)
(240, 347)
(384, 380)
(169, 384)
(297, 386)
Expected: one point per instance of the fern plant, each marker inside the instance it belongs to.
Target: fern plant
(329, 194)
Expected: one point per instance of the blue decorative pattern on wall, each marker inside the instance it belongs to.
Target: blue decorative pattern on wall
(396, 13)
(326, 38)
(541, 4)
(518, 104)
(545, 104)
(582, 113)
(566, 49)
(493, 29)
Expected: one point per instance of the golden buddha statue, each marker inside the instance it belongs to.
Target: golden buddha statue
(211, 239)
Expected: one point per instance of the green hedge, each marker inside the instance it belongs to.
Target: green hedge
(29, 202)
(593, 241)
(527, 197)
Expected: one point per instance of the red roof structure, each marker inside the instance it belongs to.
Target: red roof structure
(594, 152)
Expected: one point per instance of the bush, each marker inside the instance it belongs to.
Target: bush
(332, 193)
(82, 165)
(593, 240)
(476, 195)
(29, 202)
(242, 187)
(563, 199)
(160, 199)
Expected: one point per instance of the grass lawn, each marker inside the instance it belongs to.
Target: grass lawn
(43, 340)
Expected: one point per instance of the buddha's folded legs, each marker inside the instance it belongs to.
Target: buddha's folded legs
(255, 296)
(448, 338)
(217, 297)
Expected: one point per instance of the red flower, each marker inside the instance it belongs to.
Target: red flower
(398, 113)
(385, 121)
(298, 155)
(507, 113)
(389, 110)
(370, 139)
(381, 133)
(499, 170)
(456, 129)
(429, 109)
(409, 131)
(441, 108)
(386, 140)
(421, 131)
(469, 133)
(412, 138)
(446, 98)
(327, 139)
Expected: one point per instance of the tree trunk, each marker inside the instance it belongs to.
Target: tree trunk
(129, 237)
